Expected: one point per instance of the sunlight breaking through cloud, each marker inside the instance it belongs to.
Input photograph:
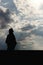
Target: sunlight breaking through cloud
(26, 20)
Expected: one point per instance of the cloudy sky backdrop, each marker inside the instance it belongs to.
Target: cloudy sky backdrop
(26, 18)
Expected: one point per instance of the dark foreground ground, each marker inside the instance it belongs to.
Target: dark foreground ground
(19, 56)
(21, 52)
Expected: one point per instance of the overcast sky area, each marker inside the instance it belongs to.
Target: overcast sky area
(26, 19)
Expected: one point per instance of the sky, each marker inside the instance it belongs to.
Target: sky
(26, 19)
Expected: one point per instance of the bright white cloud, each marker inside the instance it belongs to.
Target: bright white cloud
(36, 3)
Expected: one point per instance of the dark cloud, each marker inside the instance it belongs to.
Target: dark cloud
(23, 34)
(20, 36)
(38, 32)
(10, 5)
(4, 18)
(27, 27)
(3, 46)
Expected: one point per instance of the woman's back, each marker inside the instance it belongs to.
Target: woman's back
(11, 41)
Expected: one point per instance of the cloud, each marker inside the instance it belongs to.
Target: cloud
(28, 27)
(38, 31)
(4, 18)
(10, 5)
(3, 45)
(20, 36)
(41, 7)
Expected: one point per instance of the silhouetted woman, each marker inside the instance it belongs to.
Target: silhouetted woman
(11, 40)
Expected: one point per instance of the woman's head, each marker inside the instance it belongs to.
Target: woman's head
(11, 30)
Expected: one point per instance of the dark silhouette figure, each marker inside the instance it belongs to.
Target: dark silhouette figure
(11, 40)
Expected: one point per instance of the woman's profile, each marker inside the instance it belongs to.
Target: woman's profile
(11, 40)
